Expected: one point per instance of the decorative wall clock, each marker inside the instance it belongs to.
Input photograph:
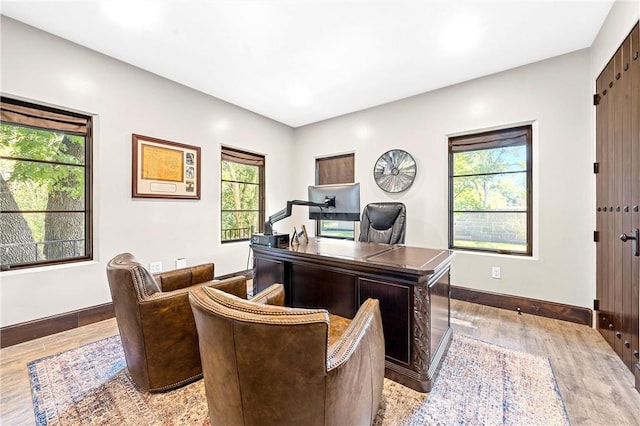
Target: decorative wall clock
(394, 171)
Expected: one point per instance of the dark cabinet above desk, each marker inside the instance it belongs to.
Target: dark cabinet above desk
(411, 283)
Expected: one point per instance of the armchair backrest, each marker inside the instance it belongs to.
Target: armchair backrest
(130, 283)
(129, 279)
(383, 223)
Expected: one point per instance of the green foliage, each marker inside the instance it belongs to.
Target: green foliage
(240, 195)
(490, 179)
(23, 143)
(240, 172)
(32, 182)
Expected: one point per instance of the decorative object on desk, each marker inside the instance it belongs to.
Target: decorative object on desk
(479, 383)
(299, 237)
(394, 171)
(164, 169)
(303, 237)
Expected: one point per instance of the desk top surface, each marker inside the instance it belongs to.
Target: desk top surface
(416, 259)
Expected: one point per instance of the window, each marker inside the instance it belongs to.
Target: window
(333, 170)
(45, 178)
(490, 191)
(242, 195)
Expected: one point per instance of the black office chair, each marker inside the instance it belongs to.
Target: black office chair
(383, 223)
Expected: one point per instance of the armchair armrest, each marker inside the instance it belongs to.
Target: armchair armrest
(272, 295)
(355, 364)
(365, 329)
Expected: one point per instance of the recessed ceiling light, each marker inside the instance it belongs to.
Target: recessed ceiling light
(132, 13)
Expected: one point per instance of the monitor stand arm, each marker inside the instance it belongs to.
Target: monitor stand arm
(286, 212)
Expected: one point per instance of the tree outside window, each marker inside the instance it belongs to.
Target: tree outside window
(490, 191)
(242, 195)
(44, 186)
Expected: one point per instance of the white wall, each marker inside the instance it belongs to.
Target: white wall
(124, 100)
(555, 96)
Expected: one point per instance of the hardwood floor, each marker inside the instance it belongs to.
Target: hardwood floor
(16, 407)
(596, 386)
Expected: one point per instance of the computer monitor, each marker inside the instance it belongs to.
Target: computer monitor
(347, 199)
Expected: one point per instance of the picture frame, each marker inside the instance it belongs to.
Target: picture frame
(164, 169)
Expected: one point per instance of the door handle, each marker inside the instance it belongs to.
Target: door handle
(635, 237)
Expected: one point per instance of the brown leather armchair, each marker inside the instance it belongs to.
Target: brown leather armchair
(156, 324)
(271, 365)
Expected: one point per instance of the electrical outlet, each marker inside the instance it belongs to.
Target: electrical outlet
(495, 272)
(181, 263)
(155, 267)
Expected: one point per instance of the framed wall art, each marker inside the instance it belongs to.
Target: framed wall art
(164, 169)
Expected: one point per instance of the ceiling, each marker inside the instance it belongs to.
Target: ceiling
(303, 61)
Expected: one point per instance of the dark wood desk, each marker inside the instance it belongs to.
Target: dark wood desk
(411, 283)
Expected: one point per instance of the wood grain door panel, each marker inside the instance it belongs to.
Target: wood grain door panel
(618, 198)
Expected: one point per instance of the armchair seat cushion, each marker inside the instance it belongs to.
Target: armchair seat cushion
(337, 326)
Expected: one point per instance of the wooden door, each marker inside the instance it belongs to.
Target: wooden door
(618, 199)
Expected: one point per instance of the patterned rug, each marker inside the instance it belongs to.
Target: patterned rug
(479, 384)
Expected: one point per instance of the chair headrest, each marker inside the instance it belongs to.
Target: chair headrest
(384, 215)
(126, 267)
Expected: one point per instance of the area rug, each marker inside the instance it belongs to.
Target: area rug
(479, 384)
